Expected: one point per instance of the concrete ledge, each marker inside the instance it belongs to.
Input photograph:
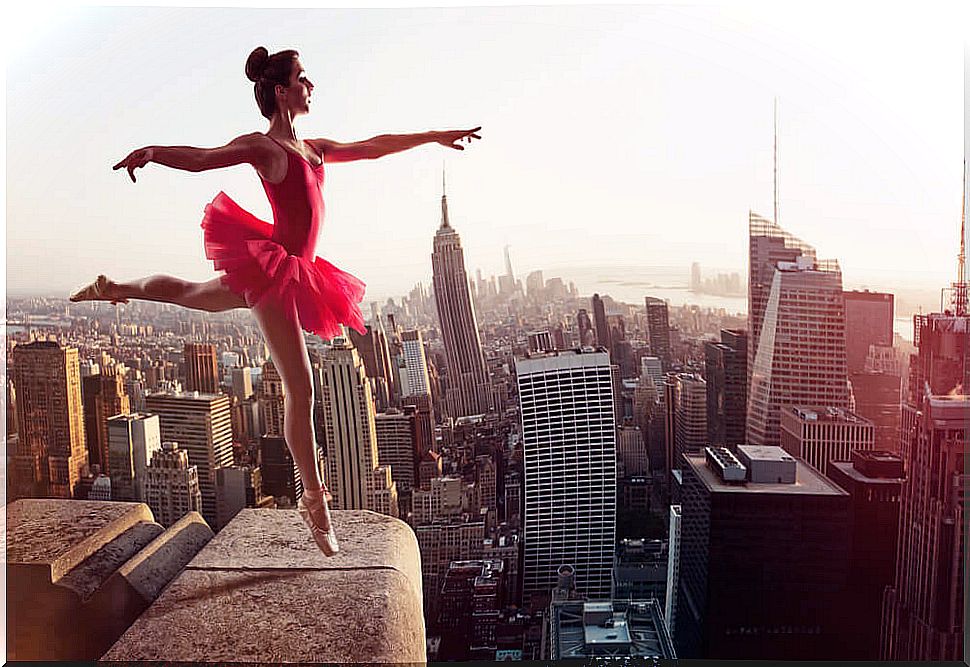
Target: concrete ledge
(67, 563)
(53, 536)
(152, 568)
(261, 592)
(140, 579)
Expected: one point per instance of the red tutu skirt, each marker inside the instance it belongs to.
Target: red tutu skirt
(257, 268)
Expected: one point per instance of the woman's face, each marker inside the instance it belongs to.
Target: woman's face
(297, 93)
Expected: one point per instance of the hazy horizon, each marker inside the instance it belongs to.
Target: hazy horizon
(612, 136)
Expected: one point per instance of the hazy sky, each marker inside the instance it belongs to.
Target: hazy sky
(633, 135)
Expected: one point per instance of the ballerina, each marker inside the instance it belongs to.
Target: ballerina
(272, 268)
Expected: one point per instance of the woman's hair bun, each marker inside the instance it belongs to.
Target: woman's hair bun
(256, 63)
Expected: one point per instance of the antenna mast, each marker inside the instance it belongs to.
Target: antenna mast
(776, 160)
(960, 290)
(962, 257)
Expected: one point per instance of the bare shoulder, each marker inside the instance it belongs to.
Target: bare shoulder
(253, 139)
(260, 148)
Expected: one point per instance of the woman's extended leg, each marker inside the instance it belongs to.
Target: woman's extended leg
(212, 296)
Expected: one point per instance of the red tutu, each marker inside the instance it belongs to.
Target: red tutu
(257, 267)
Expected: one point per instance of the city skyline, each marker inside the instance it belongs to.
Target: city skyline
(857, 156)
(613, 445)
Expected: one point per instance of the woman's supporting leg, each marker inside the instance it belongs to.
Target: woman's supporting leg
(212, 296)
(284, 337)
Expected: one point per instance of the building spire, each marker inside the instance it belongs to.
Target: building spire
(962, 257)
(444, 201)
(775, 160)
(960, 287)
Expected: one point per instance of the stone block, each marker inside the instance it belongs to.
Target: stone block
(67, 595)
(262, 592)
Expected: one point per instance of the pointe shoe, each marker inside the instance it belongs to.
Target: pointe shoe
(326, 540)
(96, 291)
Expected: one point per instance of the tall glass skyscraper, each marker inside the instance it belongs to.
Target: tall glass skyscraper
(800, 349)
(569, 444)
(768, 244)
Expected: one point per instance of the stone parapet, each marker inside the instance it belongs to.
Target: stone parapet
(262, 592)
(80, 572)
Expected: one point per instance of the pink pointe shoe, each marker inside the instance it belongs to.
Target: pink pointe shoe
(99, 290)
(325, 539)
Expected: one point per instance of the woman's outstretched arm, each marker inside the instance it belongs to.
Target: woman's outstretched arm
(385, 144)
(245, 149)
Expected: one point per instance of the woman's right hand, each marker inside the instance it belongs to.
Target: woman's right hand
(135, 159)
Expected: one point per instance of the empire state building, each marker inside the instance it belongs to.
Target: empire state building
(467, 388)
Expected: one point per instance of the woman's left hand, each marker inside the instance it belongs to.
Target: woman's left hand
(451, 138)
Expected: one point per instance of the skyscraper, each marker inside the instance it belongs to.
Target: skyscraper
(690, 415)
(800, 356)
(132, 441)
(441, 543)
(201, 424)
(602, 326)
(172, 485)
(631, 451)
(673, 569)
(819, 434)
(51, 451)
(103, 395)
(280, 475)
(201, 368)
(238, 487)
(353, 473)
(868, 321)
(242, 383)
(877, 393)
(471, 599)
(725, 370)
(424, 437)
(658, 330)
(467, 378)
(372, 348)
(873, 480)
(696, 284)
(569, 445)
(763, 558)
(396, 446)
(768, 244)
(943, 358)
(535, 285)
(270, 398)
(923, 612)
(415, 376)
(585, 327)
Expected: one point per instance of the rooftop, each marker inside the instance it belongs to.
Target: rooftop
(609, 628)
(857, 475)
(558, 359)
(826, 414)
(765, 453)
(808, 481)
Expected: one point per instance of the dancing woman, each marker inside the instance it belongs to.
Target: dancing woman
(272, 268)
